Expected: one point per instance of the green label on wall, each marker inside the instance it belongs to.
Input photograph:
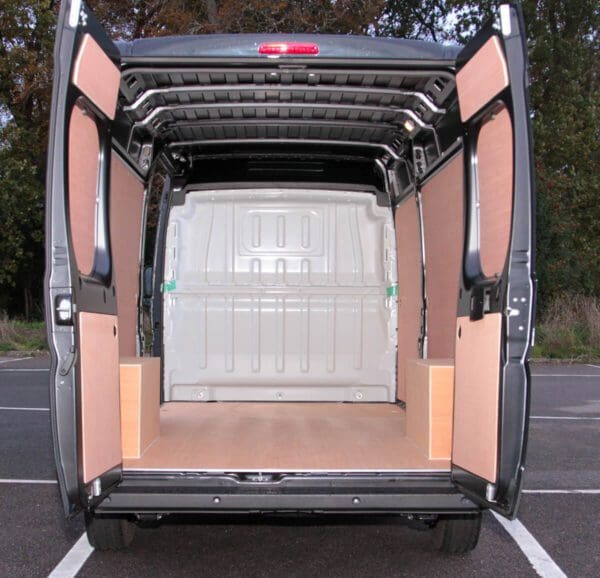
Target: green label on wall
(169, 286)
(392, 291)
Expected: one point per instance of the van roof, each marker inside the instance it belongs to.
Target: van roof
(246, 46)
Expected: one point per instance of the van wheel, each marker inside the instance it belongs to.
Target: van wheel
(107, 533)
(457, 534)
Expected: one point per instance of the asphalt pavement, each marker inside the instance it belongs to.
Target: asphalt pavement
(559, 509)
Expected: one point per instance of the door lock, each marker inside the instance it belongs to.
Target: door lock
(63, 309)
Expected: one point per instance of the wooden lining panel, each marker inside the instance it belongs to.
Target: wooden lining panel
(140, 404)
(495, 182)
(100, 414)
(83, 172)
(483, 77)
(410, 287)
(95, 74)
(429, 401)
(477, 395)
(257, 436)
(126, 206)
(442, 199)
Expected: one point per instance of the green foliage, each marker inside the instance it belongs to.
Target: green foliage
(569, 328)
(21, 199)
(565, 98)
(21, 335)
(26, 45)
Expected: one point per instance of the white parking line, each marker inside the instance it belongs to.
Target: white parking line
(74, 560)
(563, 417)
(587, 491)
(541, 561)
(592, 365)
(13, 369)
(15, 359)
(588, 375)
(25, 408)
(15, 481)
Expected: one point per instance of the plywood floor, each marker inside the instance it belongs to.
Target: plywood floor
(247, 436)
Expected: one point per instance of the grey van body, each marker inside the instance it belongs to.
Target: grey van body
(327, 220)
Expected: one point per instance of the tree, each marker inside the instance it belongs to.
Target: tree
(26, 45)
(565, 94)
(563, 41)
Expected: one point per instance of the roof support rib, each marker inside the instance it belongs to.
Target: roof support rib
(386, 148)
(288, 88)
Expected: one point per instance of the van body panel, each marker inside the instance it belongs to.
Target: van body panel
(320, 494)
(279, 295)
(80, 291)
(497, 279)
(241, 46)
(425, 251)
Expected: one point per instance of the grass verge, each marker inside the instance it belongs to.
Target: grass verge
(569, 329)
(22, 335)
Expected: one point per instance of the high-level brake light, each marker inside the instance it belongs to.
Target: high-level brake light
(276, 48)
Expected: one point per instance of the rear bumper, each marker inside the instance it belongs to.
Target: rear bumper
(228, 494)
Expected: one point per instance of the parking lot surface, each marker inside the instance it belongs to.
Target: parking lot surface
(556, 533)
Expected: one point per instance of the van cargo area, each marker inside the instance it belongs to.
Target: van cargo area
(283, 437)
(289, 282)
(288, 237)
(283, 299)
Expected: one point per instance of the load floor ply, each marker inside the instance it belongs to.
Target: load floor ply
(280, 295)
(259, 436)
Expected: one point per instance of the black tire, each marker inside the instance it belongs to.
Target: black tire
(108, 533)
(457, 534)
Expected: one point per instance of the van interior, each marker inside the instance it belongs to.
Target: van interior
(286, 240)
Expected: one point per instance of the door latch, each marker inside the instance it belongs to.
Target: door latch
(480, 302)
(63, 309)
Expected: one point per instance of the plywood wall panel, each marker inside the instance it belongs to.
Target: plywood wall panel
(442, 199)
(495, 182)
(410, 288)
(477, 395)
(430, 386)
(140, 404)
(483, 77)
(100, 414)
(83, 170)
(95, 74)
(126, 206)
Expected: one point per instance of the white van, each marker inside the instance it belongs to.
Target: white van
(328, 308)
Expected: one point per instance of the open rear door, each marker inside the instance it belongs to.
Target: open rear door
(496, 299)
(81, 306)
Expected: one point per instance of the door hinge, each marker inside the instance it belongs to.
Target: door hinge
(480, 302)
(68, 361)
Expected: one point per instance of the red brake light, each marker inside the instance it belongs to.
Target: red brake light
(288, 48)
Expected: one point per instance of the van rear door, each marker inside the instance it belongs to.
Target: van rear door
(81, 303)
(496, 297)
